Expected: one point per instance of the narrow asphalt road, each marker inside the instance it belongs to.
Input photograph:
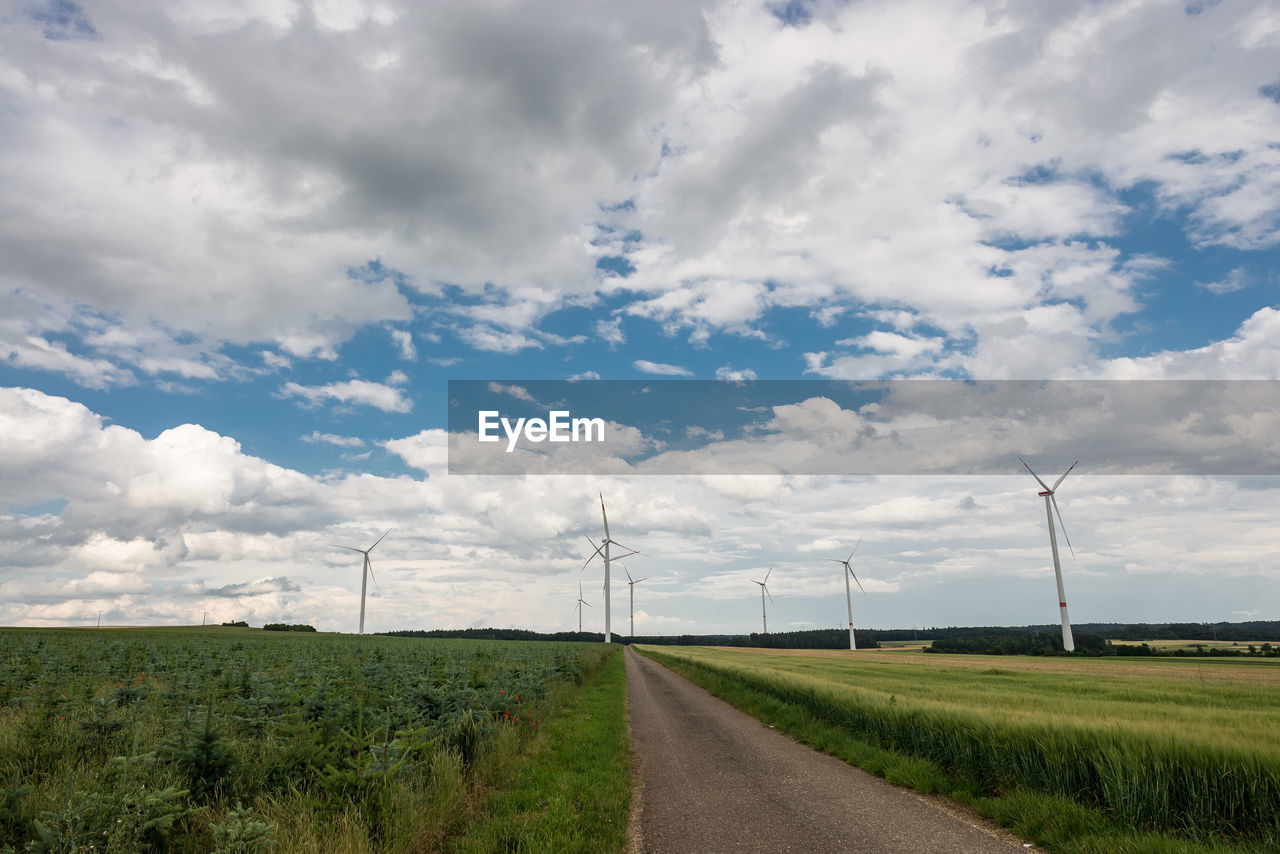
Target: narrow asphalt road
(716, 780)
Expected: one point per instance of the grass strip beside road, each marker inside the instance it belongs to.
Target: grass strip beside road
(570, 789)
(1054, 821)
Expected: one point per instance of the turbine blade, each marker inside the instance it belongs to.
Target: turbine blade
(588, 604)
(835, 560)
(380, 539)
(753, 581)
(638, 580)
(1036, 476)
(593, 556)
(1064, 475)
(855, 548)
(1062, 524)
(628, 572)
(604, 516)
(767, 593)
(369, 566)
(351, 548)
(767, 574)
(855, 578)
(628, 548)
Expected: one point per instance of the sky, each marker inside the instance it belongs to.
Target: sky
(246, 246)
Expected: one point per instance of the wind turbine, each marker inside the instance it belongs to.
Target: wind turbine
(848, 594)
(1051, 507)
(368, 571)
(631, 584)
(581, 602)
(763, 590)
(603, 551)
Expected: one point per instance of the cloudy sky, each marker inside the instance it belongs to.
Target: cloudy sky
(245, 245)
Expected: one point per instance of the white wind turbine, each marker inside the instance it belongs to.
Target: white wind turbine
(848, 594)
(603, 551)
(581, 602)
(764, 616)
(1051, 507)
(631, 585)
(367, 573)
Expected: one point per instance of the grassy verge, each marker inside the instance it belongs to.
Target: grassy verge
(1057, 822)
(570, 788)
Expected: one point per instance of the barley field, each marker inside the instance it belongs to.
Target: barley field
(1189, 747)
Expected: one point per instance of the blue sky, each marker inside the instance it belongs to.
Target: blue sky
(244, 247)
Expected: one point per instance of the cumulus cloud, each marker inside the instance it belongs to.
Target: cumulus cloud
(732, 166)
(149, 522)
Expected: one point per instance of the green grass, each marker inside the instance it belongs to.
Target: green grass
(571, 792)
(955, 728)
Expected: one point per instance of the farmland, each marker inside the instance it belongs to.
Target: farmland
(234, 740)
(1185, 752)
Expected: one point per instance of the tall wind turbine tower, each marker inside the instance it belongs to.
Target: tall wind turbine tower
(848, 594)
(367, 573)
(1050, 508)
(603, 551)
(764, 616)
(581, 602)
(631, 585)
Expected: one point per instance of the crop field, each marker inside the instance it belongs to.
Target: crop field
(1165, 644)
(233, 740)
(1190, 749)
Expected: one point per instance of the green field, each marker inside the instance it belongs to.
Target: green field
(1172, 749)
(232, 740)
(1167, 645)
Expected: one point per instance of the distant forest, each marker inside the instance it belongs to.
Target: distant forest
(1089, 636)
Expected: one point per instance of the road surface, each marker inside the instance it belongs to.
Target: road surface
(713, 779)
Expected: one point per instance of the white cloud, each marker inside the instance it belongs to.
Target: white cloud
(428, 450)
(363, 392)
(404, 343)
(610, 331)
(660, 369)
(497, 341)
(729, 374)
(219, 202)
(1253, 352)
(1236, 280)
(333, 439)
(163, 530)
(516, 391)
